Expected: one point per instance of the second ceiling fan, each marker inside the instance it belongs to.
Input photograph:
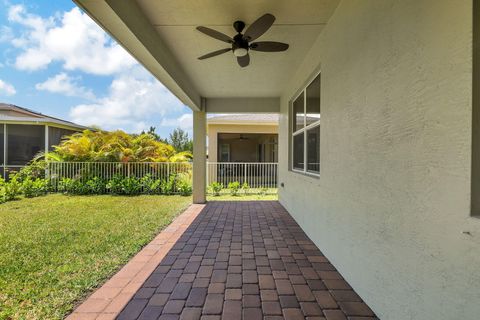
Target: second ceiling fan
(241, 44)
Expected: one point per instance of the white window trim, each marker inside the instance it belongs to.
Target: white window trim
(304, 129)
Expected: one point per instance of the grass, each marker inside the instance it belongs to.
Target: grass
(54, 250)
(242, 197)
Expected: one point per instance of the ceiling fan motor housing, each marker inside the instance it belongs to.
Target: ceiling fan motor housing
(239, 42)
(239, 26)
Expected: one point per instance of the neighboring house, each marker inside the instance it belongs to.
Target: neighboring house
(243, 138)
(24, 133)
(391, 192)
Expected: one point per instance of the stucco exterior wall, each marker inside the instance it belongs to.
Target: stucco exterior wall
(214, 129)
(391, 206)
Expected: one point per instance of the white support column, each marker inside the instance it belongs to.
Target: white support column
(47, 146)
(199, 156)
(5, 149)
(46, 141)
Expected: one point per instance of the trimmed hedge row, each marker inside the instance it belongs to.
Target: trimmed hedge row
(32, 185)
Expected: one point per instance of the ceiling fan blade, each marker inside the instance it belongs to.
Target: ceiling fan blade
(269, 46)
(215, 34)
(259, 27)
(214, 53)
(243, 61)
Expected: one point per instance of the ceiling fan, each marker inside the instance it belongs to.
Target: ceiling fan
(242, 43)
(242, 137)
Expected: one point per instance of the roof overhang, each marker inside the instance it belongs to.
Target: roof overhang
(161, 35)
(13, 114)
(241, 123)
(43, 122)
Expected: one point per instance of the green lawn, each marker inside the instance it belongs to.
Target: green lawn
(54, 250)
(242, 197)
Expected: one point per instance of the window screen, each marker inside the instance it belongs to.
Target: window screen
(24, 142)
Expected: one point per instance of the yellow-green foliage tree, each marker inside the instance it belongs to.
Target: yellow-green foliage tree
(116, 146)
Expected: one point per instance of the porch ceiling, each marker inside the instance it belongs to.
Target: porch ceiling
(298, 23)
(172, 25)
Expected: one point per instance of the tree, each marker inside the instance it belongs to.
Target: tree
(116, 146)
(156, 136)
(180, 140)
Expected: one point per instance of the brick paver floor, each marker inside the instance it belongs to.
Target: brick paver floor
(244, 260)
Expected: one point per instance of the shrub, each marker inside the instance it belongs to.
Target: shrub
(34, 170)
(234, 187)
(127, 186)
(2, 190)
(147, 183)
(245, 187)
(115, 185)
(151, 185)
(167, 186)
(73, 186)
(184, 183)
(84, 184)
(263, 191)
(155, 187)
(216, 187)
(63, 185)
(34, 188)
(27, 188)
(80, 187)
(131, 186)
(96, 185)
(41, 187)
(115, 146)
(12, 189)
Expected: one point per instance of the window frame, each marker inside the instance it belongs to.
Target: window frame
(304, 130)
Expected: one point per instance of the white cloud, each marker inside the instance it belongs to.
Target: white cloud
(6, 88)
(6, 34)
(72, 38)
(134, 97)
(64, 84)
(134, 101)
(185, 121)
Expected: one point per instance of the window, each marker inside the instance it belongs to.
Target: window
(306, 129)
(224, 152)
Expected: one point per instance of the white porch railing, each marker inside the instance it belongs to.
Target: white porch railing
(83, 171)
(260, 176)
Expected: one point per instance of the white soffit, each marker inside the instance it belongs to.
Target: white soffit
(161, 35)
(298, 23)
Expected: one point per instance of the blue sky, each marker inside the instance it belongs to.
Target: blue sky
(54, 59)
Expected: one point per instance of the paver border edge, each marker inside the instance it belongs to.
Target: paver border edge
(109, 300)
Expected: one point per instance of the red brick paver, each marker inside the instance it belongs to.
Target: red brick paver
(236, 260)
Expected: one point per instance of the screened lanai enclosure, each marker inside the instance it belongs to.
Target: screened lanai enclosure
(24, 133)
(21, 142)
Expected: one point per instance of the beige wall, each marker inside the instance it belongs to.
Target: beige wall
(391, 207)
(214, 129)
